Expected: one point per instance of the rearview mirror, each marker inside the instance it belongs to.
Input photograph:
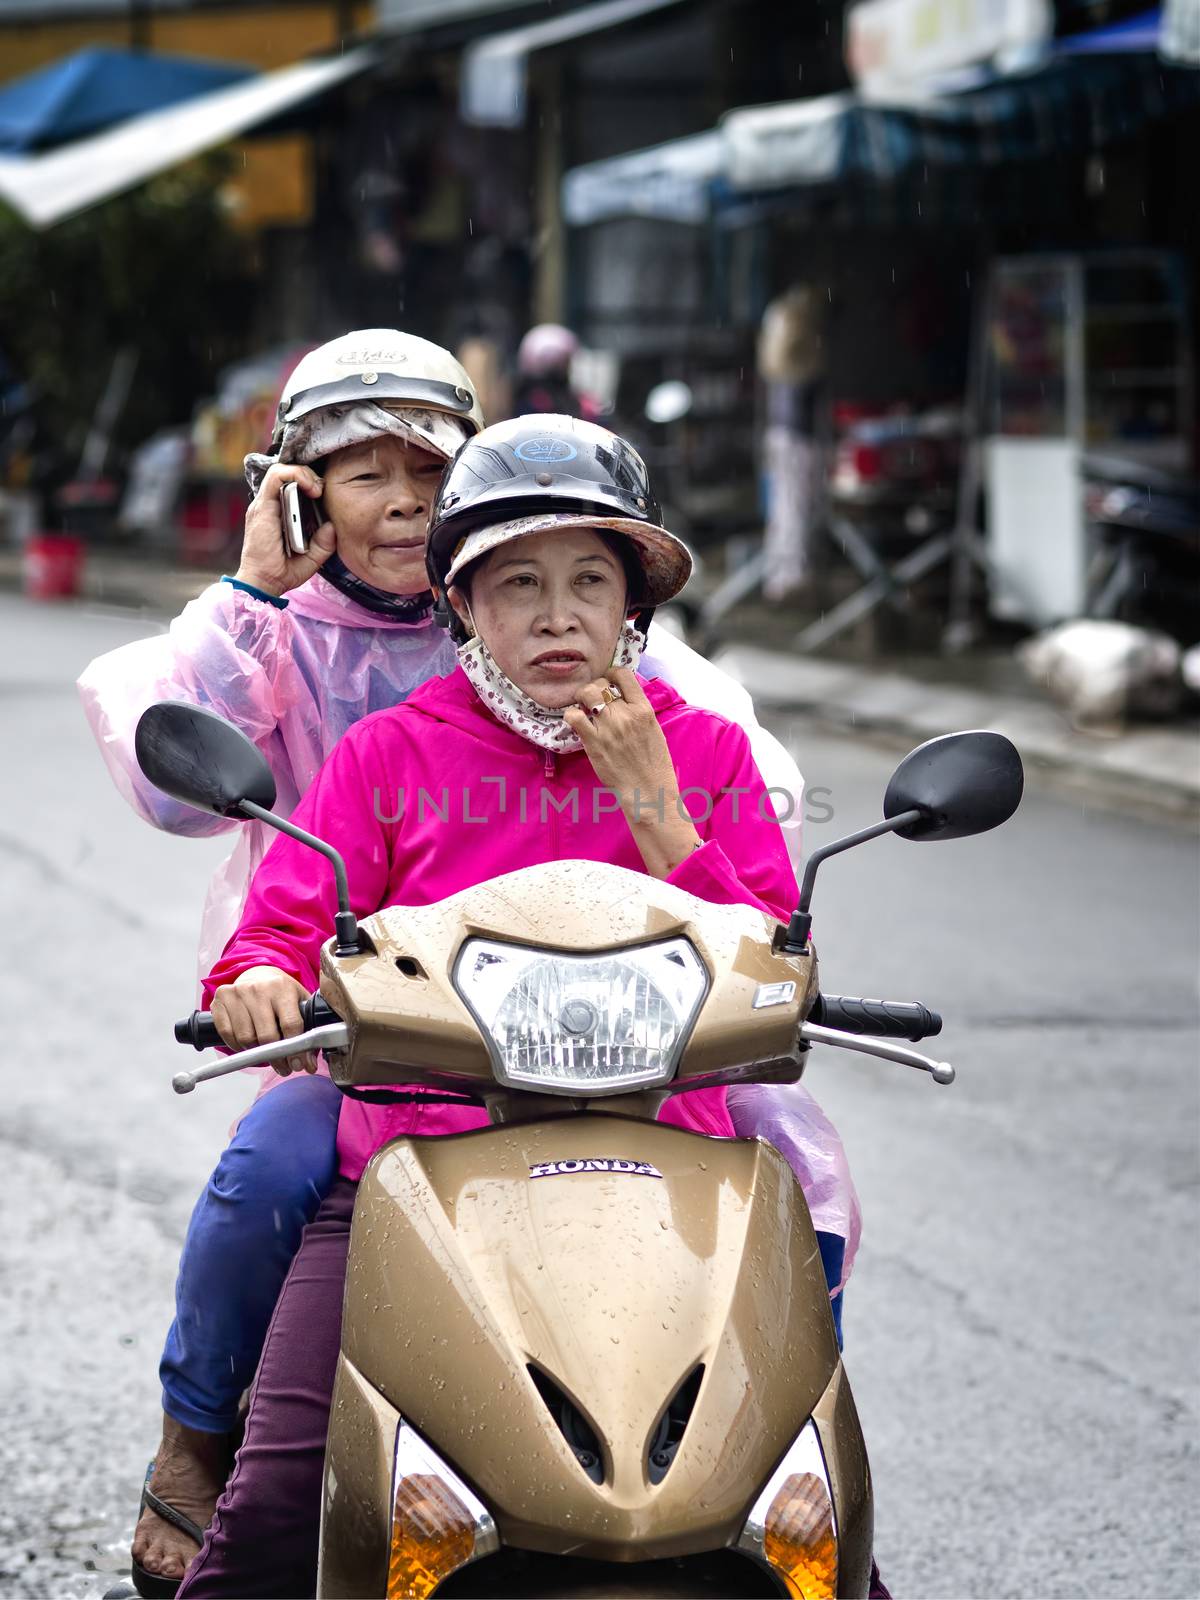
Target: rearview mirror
(962, 783)
(197, 757)
(947, 788)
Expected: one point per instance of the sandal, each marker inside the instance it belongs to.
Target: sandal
(152, 1585)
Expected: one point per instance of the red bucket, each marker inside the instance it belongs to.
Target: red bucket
(53, 566)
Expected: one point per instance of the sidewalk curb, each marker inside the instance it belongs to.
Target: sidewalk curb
(1156, 769)
(123, 581)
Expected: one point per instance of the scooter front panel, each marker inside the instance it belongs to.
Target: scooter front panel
(613, 1258)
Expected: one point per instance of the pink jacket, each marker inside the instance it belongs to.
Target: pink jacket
(294, 679)
(480, 816)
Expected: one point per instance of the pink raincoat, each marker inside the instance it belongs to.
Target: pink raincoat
(473, 831)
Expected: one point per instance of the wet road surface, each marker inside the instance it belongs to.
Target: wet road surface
(1021, 1326)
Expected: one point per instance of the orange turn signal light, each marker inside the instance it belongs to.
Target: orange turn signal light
(438, 1525)
(799, 1541)
(792, 1528)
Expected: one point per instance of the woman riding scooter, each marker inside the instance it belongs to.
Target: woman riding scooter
(549, 547)
(295, 649)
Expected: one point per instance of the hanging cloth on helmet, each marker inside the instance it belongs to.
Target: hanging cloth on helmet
(318, 434)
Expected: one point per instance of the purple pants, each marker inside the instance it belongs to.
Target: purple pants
(263, 1538)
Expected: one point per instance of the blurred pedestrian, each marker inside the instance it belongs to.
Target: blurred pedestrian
(544, 360)
(791, 363)
(481, 359)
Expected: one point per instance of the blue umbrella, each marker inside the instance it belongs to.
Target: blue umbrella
(97, 87)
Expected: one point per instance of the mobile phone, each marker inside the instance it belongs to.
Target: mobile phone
(302, 516)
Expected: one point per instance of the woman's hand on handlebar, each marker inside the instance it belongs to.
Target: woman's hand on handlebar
(260, 1006)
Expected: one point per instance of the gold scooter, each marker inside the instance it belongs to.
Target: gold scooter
(612, 1368)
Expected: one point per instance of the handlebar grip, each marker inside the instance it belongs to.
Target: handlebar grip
(200, 1031)
(890, 1019)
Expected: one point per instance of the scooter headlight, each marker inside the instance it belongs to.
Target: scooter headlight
(792, 1528)
(595, 1024)
(438, 1524)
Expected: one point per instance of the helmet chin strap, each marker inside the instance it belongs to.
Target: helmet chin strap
(446, 617)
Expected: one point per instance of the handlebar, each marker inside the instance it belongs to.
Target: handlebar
(857, 1024)
(200, 1031)
(887, 1019)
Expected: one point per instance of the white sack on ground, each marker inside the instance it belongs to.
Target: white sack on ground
(1104, 672)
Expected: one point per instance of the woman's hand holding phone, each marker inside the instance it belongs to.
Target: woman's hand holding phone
(268, 561)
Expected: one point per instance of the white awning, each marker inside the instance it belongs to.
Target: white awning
(669, 182)
(47, 188)
(1074, 103)
(799, 140)
(492, 87)
(754, 147)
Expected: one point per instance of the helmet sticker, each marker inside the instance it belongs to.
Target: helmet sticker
(365, 357)
(544, 447)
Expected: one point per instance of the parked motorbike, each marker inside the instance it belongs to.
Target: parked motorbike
(1145, 524)
(623, 1377)
(895, 478)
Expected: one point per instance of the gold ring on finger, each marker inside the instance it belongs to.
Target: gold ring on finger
(611, 693)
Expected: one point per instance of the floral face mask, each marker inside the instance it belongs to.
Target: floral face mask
(520, 711)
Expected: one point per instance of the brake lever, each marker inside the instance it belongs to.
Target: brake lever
(333, 1036)
(939, 1071)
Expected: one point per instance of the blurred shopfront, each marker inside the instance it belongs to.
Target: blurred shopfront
(419, 186)
(1005, 237)
(472, 166)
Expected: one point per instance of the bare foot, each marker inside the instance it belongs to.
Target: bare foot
(190, 1469)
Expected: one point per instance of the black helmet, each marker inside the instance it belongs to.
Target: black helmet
(549, 471)
(535, 464)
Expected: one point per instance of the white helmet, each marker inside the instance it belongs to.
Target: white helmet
(380, 365)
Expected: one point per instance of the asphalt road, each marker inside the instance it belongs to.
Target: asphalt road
(1022, 1321)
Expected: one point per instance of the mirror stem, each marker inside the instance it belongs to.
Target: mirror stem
(795, 939)
(349, 940)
